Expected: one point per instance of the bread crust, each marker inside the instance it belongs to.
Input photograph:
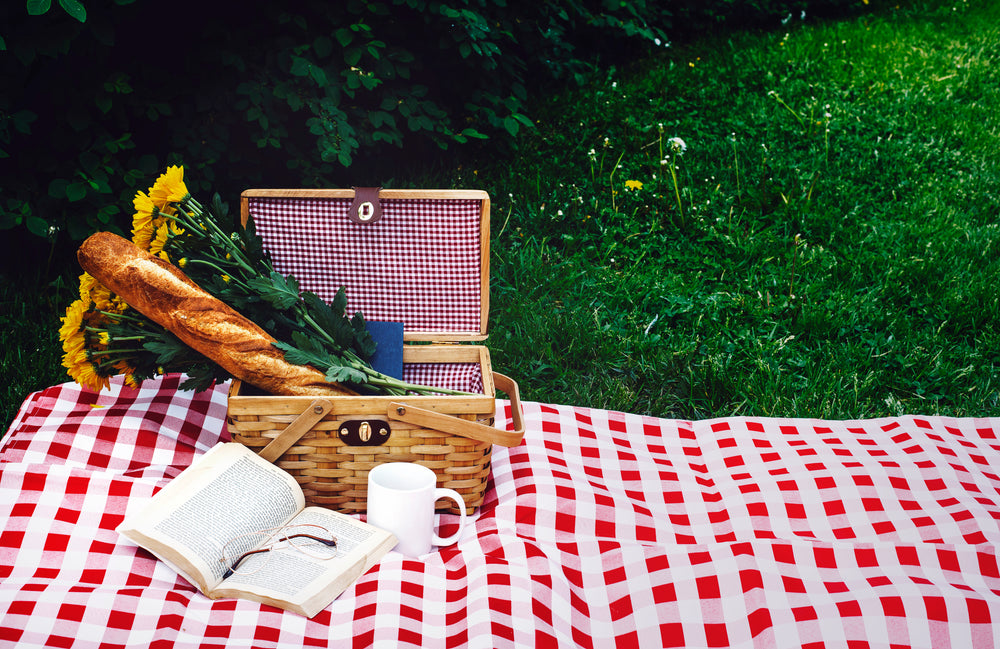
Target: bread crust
(165, 295)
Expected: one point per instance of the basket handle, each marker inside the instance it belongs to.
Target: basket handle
(400, 411)
(294, 431)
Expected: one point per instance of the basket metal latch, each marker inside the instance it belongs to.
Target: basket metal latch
(364, 432)
(366, 207)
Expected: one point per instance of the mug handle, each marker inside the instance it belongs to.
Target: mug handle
(457, 497)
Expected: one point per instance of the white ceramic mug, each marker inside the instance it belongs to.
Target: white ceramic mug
(401, 498)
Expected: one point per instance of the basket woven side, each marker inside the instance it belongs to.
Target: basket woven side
(334, 474)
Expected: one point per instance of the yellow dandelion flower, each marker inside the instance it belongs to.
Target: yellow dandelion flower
(142, 236)
(87, 284)
(75, 354)
(118, 305)
(72, 322)
(164, 232)
(128, 372)
(144, 209)
(102, 298)
(88, 376)
(633, 185)
(147, 218)
(169, 188)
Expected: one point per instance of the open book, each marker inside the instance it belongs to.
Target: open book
(235, 525)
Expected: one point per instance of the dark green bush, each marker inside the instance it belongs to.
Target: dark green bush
(99, 98)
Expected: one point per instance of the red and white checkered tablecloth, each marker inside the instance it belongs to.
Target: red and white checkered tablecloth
(602, 529)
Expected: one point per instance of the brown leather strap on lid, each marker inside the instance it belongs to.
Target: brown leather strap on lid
(366, 207)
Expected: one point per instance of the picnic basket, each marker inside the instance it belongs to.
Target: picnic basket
(419, 257)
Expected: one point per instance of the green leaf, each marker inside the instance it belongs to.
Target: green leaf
(344, 36)
(77, 191)
(75, 9)
(471, 132)
(278, 290)
(294, 355)
(57, 188)
(38, 7)
(344, 374)
(352, 56)
(166, 351)
(37, 226)
(512, 125)
(318, 75)
(330, 318)
(201, 376)
(300, 66)
(323, 46)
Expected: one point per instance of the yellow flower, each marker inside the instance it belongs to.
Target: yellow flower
(87, 286)
(76, 359)
(169, 188)
(167, 229)
(126, 369)
(72, 322)
(148, 217)
(92, 291)
(633, 184)
(86, 375)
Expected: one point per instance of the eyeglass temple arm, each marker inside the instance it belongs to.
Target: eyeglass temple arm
(331, 543)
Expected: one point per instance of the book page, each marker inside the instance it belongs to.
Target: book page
(229, 493)
(297, 581)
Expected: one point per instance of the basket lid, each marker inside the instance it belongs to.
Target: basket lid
(424, 261)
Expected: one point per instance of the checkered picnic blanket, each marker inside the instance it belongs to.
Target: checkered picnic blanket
(602, 529)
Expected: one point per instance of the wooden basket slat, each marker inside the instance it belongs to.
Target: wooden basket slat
(335, 475)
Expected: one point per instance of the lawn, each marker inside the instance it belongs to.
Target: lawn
(799, 222)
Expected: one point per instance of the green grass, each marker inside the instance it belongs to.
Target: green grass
(30, 354)
(835, 252)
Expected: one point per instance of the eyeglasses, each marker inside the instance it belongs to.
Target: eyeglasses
(314, 541)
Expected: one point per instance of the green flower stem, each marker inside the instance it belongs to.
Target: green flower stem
(677, 191)
(312, 323)
(215, 235)
(221, 272)
(402, 388)
(396, 386)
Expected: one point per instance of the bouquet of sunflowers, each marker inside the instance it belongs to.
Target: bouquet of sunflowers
(103, 335)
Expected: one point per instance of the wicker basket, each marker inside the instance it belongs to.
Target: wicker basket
(330, 444)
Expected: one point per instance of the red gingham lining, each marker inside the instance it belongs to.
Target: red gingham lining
(602, 529)
(420, 264)
(467, 377)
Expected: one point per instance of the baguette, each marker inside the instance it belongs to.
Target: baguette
(165, 295)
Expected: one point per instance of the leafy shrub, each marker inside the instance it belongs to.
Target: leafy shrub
(98, 98)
